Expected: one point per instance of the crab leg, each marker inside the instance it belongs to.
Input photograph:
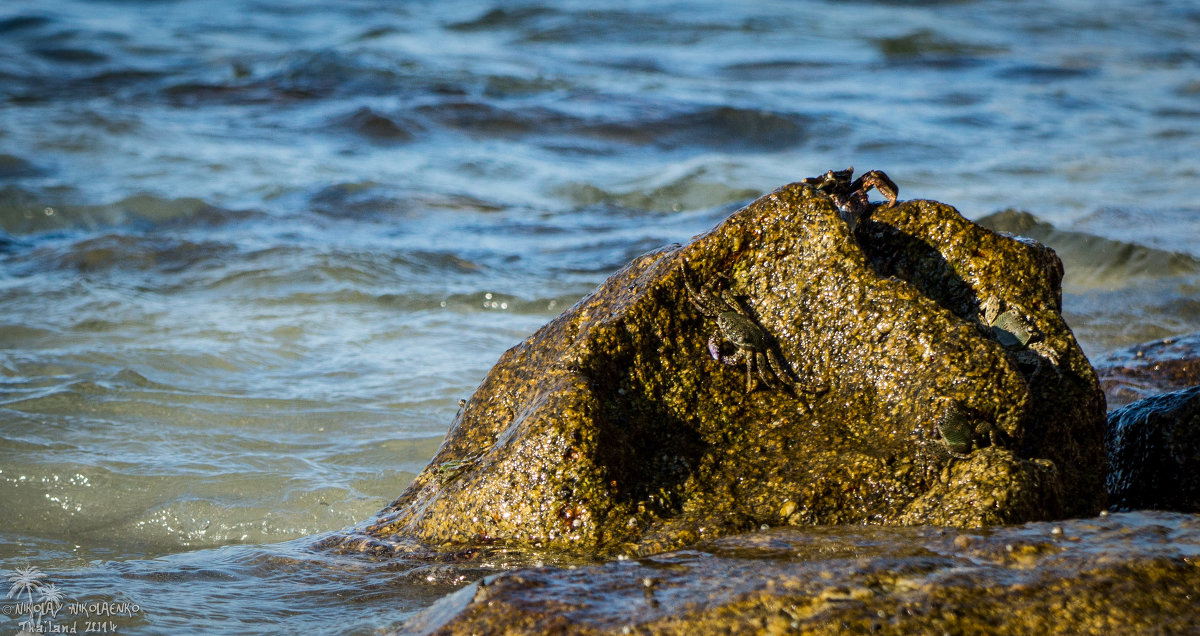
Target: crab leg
(764, 374)
(698, 300)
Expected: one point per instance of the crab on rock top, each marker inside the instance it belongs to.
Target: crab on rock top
(851, 196)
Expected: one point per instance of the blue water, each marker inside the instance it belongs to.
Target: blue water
(253, 253)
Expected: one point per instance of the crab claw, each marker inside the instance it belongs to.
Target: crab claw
(714, 348)
(880, 181)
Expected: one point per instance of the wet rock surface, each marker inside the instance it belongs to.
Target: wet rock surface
(613, 430)
(1124, 573)
(1154, 453)
(1154, 442)
(1150, 368)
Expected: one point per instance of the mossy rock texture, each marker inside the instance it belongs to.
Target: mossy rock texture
(612, 429)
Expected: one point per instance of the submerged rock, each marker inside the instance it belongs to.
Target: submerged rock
(1154, 443)
(1154, 453)
(914, 371)
(1150, 368)
(1127, 573)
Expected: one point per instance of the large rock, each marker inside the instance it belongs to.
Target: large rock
(1154, 451)
(613, 429)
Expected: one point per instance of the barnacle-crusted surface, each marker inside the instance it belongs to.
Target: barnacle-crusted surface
(612, 429)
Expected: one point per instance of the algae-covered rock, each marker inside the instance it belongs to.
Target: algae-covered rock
(1125, 574)
(1154, 452)
(915, 343)
(993, 486)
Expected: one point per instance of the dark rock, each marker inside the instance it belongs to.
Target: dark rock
(1154, 453)
(1127, 573)
(611, 429)
(1149, 368)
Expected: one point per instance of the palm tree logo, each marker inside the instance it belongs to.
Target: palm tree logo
(26, 579)
(51, 596)
(50, 593)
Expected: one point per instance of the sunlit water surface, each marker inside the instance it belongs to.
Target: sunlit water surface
(252, 254)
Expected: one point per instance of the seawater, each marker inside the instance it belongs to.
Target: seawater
(252, 253)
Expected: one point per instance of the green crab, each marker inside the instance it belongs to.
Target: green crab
(961, 433)
(749, 341)
(851, 196)
(448, 471)
(1018, 335)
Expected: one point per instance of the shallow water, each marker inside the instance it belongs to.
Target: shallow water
(252, 254)
(1129, 573)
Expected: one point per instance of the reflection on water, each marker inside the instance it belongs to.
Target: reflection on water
(251, 256)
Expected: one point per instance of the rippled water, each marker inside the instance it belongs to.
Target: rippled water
(252, 253)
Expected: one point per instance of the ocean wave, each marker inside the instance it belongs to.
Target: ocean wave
(1093, 261)
(930, 48)
(727, 128)
(697, 190)
(130, 252)
(31, 211)
(379, 128)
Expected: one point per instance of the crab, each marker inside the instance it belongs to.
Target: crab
(750, 342)
(961, 433)
(851, 196)
(1018, 335)
(448, 471)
